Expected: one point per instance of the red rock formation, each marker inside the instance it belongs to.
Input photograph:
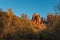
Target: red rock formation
(51, 18)
(10, 12)
(38, 22)
(36, 19)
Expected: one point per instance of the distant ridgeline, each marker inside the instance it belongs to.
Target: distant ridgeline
(9, 19)
(37, 20)
(12, 25)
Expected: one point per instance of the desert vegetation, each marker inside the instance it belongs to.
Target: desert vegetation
(13, 27)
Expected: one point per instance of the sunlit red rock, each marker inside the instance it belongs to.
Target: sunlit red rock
(38, 22)
(36, 19)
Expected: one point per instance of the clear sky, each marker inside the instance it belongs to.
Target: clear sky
(29, 7)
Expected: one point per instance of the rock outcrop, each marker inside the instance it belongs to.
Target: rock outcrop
(36, 19)
(38, 22)
(52, 18)
(10, 12)
(24, 17)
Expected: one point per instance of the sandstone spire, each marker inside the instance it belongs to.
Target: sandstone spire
(36, 19)
(10, 12)
(38, 22)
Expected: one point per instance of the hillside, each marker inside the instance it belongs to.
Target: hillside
(13, 27)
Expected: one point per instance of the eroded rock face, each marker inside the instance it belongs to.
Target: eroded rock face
(38, 22)
(52, 18)
(36, 19)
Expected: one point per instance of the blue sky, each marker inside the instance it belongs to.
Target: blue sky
(29, 7)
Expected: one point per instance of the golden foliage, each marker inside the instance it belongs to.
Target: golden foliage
(15, 28)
